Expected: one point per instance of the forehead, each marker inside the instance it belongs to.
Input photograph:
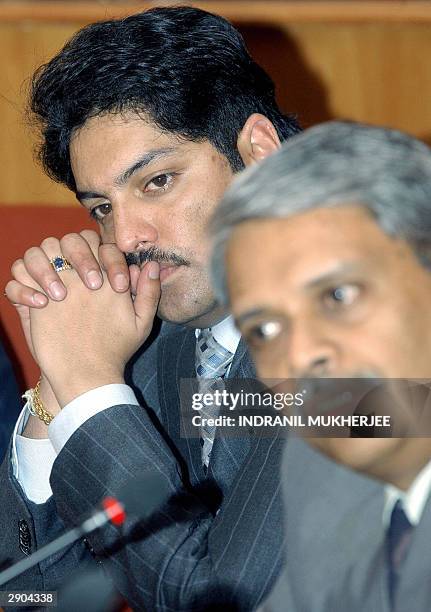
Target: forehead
(108, 142)
(116, 128)
(298, 249)
(106, 145)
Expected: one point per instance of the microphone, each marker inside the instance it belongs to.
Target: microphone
(140, 496)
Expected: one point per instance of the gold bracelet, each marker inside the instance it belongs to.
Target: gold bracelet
(37, 408)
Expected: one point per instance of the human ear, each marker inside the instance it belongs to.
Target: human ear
(257, 139)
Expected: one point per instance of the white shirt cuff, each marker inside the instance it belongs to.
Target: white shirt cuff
(36, 458)
(32, 459)
(84, 407)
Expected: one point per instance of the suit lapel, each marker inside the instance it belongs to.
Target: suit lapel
(176, 362)
(228, 452)
(242, 365)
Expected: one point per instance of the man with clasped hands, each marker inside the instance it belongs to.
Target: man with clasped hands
(146, 120)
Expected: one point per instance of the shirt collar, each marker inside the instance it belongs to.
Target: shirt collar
(226, 334)
(413, 500)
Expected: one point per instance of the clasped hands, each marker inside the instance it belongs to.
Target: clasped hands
(82, 325)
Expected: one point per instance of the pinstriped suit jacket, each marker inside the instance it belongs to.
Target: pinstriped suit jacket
(227, 557)
(10, 405)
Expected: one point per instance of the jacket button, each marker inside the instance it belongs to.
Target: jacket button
(89, 547)
(24, 537)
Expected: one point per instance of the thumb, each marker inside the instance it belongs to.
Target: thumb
(147, 296)
(134, 272)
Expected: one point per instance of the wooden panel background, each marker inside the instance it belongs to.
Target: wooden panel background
(371, 71)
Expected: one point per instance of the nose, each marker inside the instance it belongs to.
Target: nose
(133, 227)
(311, 351)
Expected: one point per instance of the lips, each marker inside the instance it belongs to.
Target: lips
(166, 270)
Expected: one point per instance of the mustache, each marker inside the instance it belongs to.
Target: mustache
(154, 254)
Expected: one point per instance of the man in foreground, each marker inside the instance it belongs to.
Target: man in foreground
(336, 283)
(146, 119)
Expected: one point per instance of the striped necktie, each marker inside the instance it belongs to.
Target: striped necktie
(212, 363)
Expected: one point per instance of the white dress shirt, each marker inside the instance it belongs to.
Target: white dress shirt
(226, 334)
(32, 459)
(413, 500)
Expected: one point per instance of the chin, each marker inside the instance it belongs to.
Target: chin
(172, 314)
(184, 311)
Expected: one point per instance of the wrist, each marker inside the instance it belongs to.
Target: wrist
(72, 385)
(48, 397)
(36, 427)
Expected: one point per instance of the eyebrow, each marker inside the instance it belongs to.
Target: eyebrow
(333, 275)
(251, 314)
(144, 160)
(315, 283)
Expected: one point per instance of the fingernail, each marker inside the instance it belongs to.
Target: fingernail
(121, 282)
(94, 279)
(153, 270)
(39, 299)
(57, 291)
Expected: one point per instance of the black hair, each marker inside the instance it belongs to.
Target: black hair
(186, 69)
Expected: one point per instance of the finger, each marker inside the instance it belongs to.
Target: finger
(92, 238)
(24, 316)
(19, 294)
(37, 266)
(77, 250)
(114, 263)
(24, 313)
(134, 271)
(148, 294)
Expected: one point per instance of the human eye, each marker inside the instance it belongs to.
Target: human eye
(341, 296)
(260, 333)
(160, 183)
(100, 211)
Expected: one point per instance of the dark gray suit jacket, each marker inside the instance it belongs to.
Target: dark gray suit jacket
(228, 556)
(10, 401)
(337, 543)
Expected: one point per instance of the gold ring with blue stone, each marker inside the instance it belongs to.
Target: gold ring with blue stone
(60, 263)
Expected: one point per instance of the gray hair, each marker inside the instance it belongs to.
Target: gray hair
(335, 163)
